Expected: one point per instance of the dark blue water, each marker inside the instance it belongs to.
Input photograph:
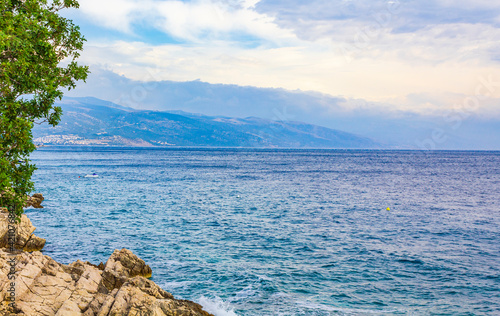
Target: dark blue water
(286, 232)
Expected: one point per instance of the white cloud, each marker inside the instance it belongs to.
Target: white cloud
(194, 21)
(191, 20)
(336, 53)
(113, 14)
(306, 68)
(470, 4)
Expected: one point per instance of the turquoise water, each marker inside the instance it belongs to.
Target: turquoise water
(286, 232)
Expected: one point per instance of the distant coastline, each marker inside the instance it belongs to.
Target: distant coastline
(90, 123)
(173, 147)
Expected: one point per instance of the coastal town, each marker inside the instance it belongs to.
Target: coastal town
(74, 140)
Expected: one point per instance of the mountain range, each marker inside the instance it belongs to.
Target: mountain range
(91, 121)
(390, 125)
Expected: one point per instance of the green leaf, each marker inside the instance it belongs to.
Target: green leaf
(34, 39)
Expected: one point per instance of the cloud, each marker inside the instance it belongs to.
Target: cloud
(198, 20)
(193, 21)
(409, 15)
(436, 31)
(380, 51)
(396, 72)
(113, 14)
(432, 31)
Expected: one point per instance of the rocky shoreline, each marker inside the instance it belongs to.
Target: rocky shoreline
(41, 286)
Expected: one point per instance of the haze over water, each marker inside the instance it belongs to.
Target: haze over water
(285, 232)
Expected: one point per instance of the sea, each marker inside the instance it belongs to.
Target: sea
(285, 232)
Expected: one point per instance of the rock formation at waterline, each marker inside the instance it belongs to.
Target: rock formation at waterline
(35, 200)
(23, 239)
(43, 286)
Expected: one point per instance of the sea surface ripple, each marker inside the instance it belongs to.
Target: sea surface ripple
(285, 232)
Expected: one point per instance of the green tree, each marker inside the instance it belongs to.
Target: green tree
(38, 52)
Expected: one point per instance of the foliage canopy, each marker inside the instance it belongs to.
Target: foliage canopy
(38, 52)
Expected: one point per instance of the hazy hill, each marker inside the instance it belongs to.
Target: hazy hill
(90, 121)
(388, 124)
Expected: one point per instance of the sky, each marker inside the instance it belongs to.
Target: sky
(420, 56)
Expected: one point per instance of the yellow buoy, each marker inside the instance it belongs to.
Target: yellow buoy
(388, 208)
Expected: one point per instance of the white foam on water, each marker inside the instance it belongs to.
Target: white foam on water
(346, 311)
(264, 277)
(175, 285)
(216, 306)
(246, 292)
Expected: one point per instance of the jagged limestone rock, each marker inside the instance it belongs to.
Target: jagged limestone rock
(46, 287)
(35, 243)
(35, 200)
(121, 265)
(23, 238)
